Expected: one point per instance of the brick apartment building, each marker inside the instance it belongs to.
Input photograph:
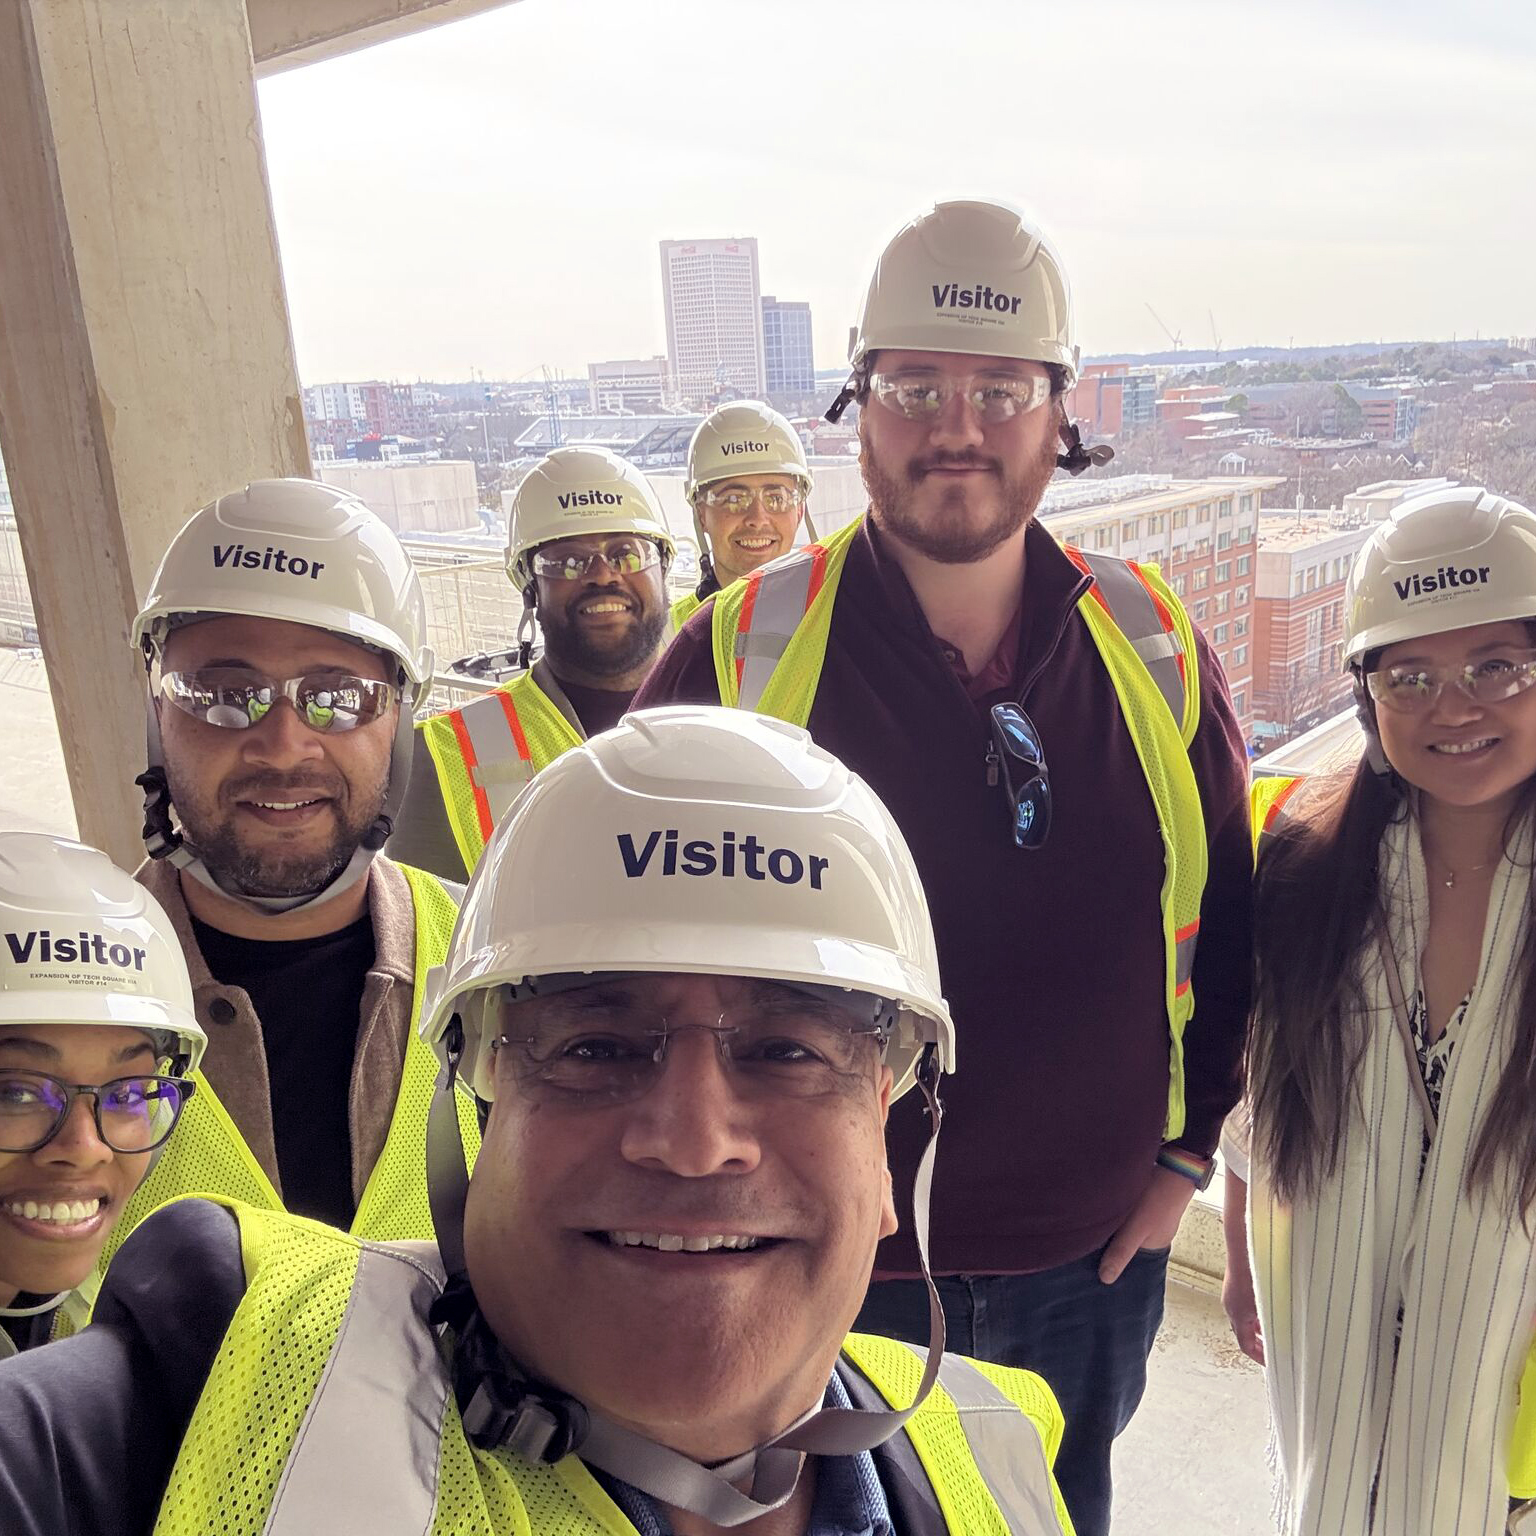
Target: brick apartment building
(1303, 563)
(1201, 534)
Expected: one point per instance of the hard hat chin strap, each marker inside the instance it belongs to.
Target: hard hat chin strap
(36, 1310)
(1374, 754)
(502, 1407)
(164, 840)
(1078, 458)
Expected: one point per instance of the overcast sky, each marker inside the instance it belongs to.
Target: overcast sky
(489, 195)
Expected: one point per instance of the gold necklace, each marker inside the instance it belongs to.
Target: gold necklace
(1451, 874)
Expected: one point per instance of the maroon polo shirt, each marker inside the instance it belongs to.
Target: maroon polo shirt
(1052, 960)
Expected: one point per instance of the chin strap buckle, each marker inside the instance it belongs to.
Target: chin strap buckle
(161, 839)
(532, 1424)
(1078, 458)
(845, 397)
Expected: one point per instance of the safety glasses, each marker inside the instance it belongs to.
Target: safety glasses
(133, 1114)
(922, 394)
(1414, 689)
(236, 698)
(737, 501)
(572, 562)
(1016, 760)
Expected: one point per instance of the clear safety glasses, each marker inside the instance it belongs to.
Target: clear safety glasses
(737, 501)
(596, 1046)
(1016, 760)
(571, 562)
(133, 1114)
(922, 394)
(236, 698)
(1413, 689)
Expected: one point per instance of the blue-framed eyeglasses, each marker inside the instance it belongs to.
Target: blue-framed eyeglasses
(1016, 759)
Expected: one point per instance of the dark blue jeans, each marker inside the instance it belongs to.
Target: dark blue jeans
(1090, 1341)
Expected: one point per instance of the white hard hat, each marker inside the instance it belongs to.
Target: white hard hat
(701, 840)
(979, 278)
(577, 491)
(85, 943)
(299, 551)
(744, 437)
(1445, 560)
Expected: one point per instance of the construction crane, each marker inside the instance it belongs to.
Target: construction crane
(1177, 340)
(1215, 338)
(552, 399)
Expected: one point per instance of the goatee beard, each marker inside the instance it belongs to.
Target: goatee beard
(950, 539)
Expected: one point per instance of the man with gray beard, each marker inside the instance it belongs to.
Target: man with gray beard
(1059, 749)
(285, 641)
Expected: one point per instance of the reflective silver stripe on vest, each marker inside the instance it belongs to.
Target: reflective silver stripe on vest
(1135, 614)
(500, 769)
(1006, 1445)
(371, 1437)
(783, 595)
(1184, 959)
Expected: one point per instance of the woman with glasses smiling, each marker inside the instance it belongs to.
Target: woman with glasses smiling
(98, 1041)
(1391, 1196)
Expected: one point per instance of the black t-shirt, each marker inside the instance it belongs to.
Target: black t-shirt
(597, 708)
(308, 994)
(33, 1329)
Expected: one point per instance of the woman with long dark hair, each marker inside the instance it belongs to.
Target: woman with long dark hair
(1391, 1193)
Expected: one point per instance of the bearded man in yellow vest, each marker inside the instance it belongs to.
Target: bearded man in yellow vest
(285, 640)
(1059, 748)
(747, 483)
(694, 969)
(589, 551)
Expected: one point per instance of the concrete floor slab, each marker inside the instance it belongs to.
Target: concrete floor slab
(1192, 1461)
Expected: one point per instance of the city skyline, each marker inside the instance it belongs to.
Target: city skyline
(449, 203)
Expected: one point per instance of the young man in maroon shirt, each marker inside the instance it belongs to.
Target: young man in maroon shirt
(1061, 1191)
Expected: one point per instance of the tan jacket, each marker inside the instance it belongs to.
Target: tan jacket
(236, 1060)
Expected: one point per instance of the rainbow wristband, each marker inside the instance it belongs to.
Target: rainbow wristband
(1198, 1170)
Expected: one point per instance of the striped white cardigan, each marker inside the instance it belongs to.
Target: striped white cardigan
(1426, 1425)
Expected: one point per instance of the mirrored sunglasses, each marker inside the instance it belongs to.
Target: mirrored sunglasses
(236, 698)
(1016, 760)
(624, 557)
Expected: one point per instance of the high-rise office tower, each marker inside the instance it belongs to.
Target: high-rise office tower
(713, 304)
(787, 353)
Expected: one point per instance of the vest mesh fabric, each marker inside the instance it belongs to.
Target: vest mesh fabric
(546, 732)
(1160, 746)
(395, 1204)
(939, 1438)
(684, 609)
(208, 1156)
(1159, 739)
(266, 1371)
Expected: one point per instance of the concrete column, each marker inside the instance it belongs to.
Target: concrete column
(146, 363)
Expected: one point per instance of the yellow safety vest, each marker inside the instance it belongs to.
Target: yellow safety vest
(208, 1155)
(770, 641)
(685, 608)
(486, 750)
(1269, 801)
(381, 1430)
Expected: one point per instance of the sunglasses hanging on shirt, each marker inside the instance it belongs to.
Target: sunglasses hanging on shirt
(1016, 760)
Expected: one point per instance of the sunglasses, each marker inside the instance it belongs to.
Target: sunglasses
(1016, 760)
(236, 698)
(624, 557)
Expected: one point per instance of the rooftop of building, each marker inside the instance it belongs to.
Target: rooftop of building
(1285, 532)
(1129, 494)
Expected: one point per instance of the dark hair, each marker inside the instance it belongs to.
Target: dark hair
(1315, 894)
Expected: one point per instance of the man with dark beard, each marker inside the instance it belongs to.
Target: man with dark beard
(285, 640)
(589, 550)
(1059, 748)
